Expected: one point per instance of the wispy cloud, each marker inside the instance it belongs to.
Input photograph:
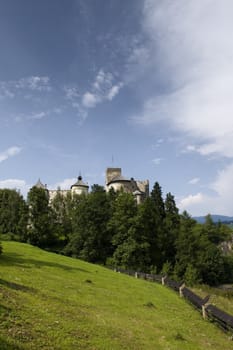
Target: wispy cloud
(9, 89)
(10, 152)
(157, 144)
(17, 184)
(64, 184)
(37, 116)
(190, 201)
(90, 100)
(218, 202)
(34, 116)
(194, 181)
(190, 42)
(5, 91)
(34, 83)
(102, 89)
(157, 161)
(71, 92)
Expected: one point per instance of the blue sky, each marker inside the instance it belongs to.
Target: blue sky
(144, 85)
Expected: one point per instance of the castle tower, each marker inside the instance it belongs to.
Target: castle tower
(112, 173)
(79, 187)
(40, 185)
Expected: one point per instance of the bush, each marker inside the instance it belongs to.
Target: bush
(191, 275)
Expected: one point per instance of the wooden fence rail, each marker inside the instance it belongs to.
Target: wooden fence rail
(209, 311)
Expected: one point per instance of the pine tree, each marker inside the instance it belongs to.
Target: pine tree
(171, 229)
(39, 226)
(159, 216)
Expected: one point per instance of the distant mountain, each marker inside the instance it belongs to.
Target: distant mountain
(215, 218)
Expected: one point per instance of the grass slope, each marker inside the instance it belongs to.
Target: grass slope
(49, 302)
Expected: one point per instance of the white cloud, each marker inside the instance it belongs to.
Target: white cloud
(189, 148)
(17, 184)
(190, 200)
(10, 152)
(90, 100)
(223, 184)
(103, 89)
(71, 92)
(5, 91)
(64, 184)
(157, 144)
(33, 83)
(219, 202)
(37, 116)
(189, 44)
(114, 91)
(9, 89)
(194, 181)
(157, 161)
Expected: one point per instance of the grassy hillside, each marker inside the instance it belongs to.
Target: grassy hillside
(49, 302)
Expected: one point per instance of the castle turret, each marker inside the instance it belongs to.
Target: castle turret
(79, 187)
(40, 185)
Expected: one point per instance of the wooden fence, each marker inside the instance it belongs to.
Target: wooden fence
(209, 311)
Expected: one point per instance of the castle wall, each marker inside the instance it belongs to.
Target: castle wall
(53, 193)
(79, 190)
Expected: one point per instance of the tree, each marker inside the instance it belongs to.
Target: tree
(198, 259)
(90, 239)
(121, 226)
(97, 188)
(217, 233)
(13, 214)
(158, 217)
(186, 245)
(156, 196)
(171, 229)
(61, 219)
(39, 227)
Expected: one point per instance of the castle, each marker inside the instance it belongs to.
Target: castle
(113, 179)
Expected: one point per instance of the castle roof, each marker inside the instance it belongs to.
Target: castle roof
(80, 183)
(119, 179)
(137, 193)
(40, 185)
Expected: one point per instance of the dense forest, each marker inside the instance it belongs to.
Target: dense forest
(111, 229)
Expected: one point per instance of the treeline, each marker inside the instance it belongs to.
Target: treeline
(111, 229)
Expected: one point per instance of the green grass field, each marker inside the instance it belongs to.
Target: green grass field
(48, 301)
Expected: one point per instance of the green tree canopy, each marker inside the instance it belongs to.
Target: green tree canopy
(40, 219)
(13, 214)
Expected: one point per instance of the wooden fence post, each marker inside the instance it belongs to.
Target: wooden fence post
(204, 306)
(204, 315)
(136, 275)
(206, 302)
(181, 290)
